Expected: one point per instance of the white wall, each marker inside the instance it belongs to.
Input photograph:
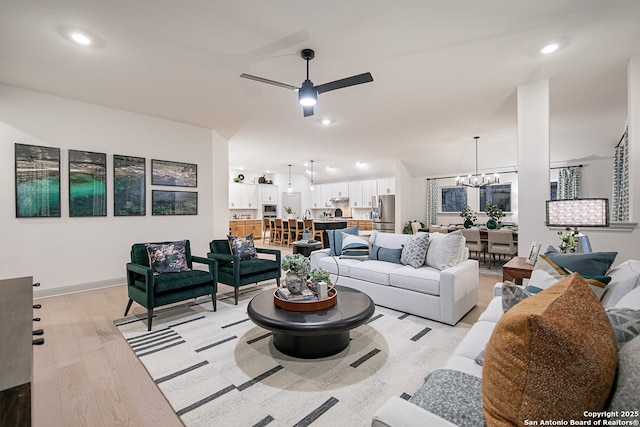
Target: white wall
(79, 253)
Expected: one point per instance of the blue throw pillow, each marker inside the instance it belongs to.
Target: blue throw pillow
(589, 264)
(385, 254)
(335, 238)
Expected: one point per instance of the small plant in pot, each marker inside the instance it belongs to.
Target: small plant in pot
(316, 276)
(297, 268)
(469, 216)
(289, 211)
(494, 213)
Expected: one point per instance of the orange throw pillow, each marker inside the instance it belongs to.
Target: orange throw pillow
(550, 357)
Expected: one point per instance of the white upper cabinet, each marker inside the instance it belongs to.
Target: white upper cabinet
(386, 186)
(340, 189)
(243, 196)
(269, 193)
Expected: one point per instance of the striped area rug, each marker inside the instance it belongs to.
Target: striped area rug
(218, 368)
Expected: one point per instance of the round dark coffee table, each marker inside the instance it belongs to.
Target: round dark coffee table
(312, 334)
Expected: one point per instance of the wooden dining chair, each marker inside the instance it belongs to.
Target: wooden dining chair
(277, 231)
(501, 243)
(266, 224)
(295, 233)
(317, 234)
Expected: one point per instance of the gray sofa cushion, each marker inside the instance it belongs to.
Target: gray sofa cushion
(453, 395)
(625, 390)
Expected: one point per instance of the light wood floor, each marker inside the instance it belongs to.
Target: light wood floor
(86, 375)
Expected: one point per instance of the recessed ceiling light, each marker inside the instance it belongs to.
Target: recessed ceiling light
(549, 48)
(80, 38)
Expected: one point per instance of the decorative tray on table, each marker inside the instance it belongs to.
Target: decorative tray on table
(308, 305)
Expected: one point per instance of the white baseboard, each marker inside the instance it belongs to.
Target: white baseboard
(81, 287)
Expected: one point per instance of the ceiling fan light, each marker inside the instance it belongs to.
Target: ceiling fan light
(307, 95)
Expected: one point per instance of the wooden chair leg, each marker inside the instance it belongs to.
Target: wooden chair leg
(149, 317)
(128, 306)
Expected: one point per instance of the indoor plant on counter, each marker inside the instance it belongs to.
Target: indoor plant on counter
(494, 213)
(289, 211)
(297, 268)
(469, 216)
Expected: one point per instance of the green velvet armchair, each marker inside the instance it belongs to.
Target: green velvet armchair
(152, 291)
(236, 273)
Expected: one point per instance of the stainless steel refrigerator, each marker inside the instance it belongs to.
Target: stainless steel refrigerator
(383, 213)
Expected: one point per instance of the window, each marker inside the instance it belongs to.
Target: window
(554, 191)
(453, 198)
(498, 195)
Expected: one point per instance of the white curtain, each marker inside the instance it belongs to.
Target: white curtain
(569, 180)
(432, 202)
(620, 211)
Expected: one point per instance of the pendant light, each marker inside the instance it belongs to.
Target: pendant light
(311, 161)
(289, 189)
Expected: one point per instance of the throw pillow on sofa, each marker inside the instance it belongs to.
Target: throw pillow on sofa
(445, 250)
(625, 277)
(547, 273)
(512, 294)
(167, 257)
(414, 251)
(335, 238)
(625, 394)
(385, 254)
(552, 356)
(355, 247)
(242, 247)
(588, 265)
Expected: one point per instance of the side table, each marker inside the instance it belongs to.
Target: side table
(305, 248)
(516, 269)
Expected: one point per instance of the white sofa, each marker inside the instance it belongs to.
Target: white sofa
(442, 295)
(623, 292)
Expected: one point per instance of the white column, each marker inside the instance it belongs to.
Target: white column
(533, 163)
(633, 102)
(220, 176)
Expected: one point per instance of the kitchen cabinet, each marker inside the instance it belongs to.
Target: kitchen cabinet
(340, 189)
(243, 196)
(244, 227)
(386, 186)
(320, 196)
(363, 224)
(268, 193)
(360, 193)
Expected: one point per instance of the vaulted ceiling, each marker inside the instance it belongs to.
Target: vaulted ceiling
(444, 72)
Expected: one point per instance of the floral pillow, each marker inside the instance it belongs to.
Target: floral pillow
(167, 257)
(242, 247)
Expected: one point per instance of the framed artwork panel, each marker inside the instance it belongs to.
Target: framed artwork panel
(87, 183)
(174, 202)
(175, 174)
(37, 181)
(533, 253)
(129, 179)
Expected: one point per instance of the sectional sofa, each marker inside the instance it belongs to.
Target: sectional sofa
(453, 395)
(442, 283)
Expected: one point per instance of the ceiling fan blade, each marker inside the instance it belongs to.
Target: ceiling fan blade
(346, 82)
(307, 110)
(271, 82)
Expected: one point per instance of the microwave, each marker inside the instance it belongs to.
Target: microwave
(269, 211)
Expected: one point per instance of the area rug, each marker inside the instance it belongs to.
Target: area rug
(219, 368)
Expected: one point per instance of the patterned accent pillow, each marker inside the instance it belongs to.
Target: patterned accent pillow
(414, 251)
(625, 323)
(453, 395)
(446, 251)
(242, 247)
(480, 358)
(624, 395)
(335, 238)
(385, 254)
(355, 247)
(530, 368)
(167, 257)
(512, 294)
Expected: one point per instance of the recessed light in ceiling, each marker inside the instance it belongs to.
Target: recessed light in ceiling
(326, 121)
(549, 48)
(80, 38)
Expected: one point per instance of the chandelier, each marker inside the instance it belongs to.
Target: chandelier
(477, 180)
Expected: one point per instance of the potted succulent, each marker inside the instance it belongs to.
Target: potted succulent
(297, 267)
(307, 233)
(569, 241)
(469, 216)
(494, 213)
(318, 275)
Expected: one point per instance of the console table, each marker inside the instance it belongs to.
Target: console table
(516, 269)
(16, 351)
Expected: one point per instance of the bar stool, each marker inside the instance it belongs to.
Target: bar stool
(276, 231)
(266, 223)
(317, 234)
(294, 231)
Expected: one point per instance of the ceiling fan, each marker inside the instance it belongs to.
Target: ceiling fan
(308, 93)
